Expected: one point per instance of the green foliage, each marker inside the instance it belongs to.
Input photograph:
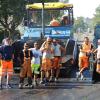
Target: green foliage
(80, 25)
(40, 1)
(96, 19)
(64, 1)
(11, 14)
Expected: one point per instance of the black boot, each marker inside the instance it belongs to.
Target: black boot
(30, 82)
(21, 83)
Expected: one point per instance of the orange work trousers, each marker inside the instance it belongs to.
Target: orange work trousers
(26, 69)
(83, 62)
(6, 67)
(56, 63)
(46, 64)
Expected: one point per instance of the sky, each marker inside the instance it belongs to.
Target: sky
(85, 8)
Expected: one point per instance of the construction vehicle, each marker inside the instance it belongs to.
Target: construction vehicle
(37, 27)
(37, 24)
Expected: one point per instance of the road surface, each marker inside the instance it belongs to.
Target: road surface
(65, 89)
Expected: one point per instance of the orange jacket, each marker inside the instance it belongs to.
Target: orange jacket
(86, 48)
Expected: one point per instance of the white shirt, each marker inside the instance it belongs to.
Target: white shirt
(47, 53)
(57, 51)
(36, 56)
(98, 52)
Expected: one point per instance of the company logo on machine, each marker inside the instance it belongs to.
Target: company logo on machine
(61, 32)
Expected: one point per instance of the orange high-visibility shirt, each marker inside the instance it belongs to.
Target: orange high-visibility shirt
(54, 23)
(85, 48)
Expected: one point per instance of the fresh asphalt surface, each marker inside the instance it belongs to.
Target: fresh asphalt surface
(64, 89)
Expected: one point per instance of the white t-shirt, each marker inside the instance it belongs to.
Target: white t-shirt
(36, 56)
(48, 54)
(57, 51)
(98, 52)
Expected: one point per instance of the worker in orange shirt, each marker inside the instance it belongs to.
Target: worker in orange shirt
(85, 51)
(54, 22)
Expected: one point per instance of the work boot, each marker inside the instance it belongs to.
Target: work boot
(35, 83)
(29, 80)
(51, 79)
(30, 86)
(42, 82)
(78, 75)
(82, 77)
(21, 86)
(46, 80)
(56, 79)
(8, 86)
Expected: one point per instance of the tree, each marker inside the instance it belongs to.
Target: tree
(64, 1)
(12, 12)
(41, 1)
(96, 18)
(80, 25)
(11, 15)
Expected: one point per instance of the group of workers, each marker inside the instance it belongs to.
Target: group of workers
(44, 61)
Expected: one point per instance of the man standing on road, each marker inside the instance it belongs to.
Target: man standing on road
(36, 61)
(96, 68)
(57, 59)
(26, 56)
(7, 55)
(47, 54)
(98, 57)
(85, 51)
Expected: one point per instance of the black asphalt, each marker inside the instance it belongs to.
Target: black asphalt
(64, 89)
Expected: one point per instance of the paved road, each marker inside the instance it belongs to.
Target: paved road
(65, 89)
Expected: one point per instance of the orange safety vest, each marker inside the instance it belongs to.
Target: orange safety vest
(85, 48)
